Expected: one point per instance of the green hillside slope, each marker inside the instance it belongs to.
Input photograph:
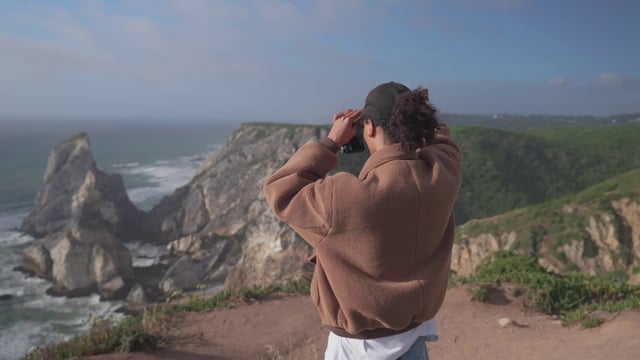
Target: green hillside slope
(596, 230)
(505, 170)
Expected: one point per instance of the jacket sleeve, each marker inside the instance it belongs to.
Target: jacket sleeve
(446, 151)
(301, 195)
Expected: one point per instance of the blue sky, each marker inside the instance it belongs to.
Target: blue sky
(302, 61)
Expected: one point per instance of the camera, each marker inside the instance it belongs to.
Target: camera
(356, 144)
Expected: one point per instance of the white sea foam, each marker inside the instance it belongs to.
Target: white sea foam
(126, 165)
(164, 179)
(145, 254)
(67, 317)
(90, 305)
(13, 238)
(146, 249)
(165, 176)
(42, 318)
(11, 221)
(145, 262)
(16, 340)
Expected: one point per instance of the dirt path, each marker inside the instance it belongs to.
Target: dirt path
(288, 328)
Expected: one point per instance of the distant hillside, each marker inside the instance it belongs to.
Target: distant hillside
(515, 121)
(594, 231)
(505, 170)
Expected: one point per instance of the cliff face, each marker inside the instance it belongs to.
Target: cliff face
(224, 211)
(469, 252)
(602, 237)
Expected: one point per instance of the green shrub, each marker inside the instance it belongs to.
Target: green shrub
(478, 293)
(592, 321)
(571, 295)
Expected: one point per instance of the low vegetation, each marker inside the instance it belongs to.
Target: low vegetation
(575, 297)
(154, 326)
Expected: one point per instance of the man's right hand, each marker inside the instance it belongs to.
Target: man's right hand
(344, 128)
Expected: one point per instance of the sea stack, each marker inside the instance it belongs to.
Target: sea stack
(66, 171)
(81, 216)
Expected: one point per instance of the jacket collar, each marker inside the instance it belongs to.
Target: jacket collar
(384, 155)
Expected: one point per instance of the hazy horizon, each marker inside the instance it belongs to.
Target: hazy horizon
(119, 121)
(302, 61)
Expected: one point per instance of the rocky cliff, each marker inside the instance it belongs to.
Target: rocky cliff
(596, 231)
(220, 225)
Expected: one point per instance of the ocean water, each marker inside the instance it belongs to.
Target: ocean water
(154, 160)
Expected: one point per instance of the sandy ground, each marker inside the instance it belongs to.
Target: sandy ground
(288, 327)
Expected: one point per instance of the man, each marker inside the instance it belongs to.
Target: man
(382, 240)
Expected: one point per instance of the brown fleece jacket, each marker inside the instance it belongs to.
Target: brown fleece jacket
(383, 239)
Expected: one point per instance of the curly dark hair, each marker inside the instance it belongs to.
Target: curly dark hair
(413, 121)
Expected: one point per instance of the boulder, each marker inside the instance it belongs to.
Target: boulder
(189, 244)
(191, 270)
(84, 265)
(5, 297)
(37, 260)
(185, 274)
(115, 288)
(110, 269)
(137, 297)
(70, 271)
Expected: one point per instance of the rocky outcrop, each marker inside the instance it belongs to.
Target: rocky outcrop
(271, 251)
(616, 234)
(469, 252)
(67, 168)
(224, 201)
(89, 256)
(608, 240)
(137, 297)
(82, 251)
(187, 245)
(37, 260)
(628, 218)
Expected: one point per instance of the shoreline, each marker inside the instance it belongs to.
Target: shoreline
(59, 317)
